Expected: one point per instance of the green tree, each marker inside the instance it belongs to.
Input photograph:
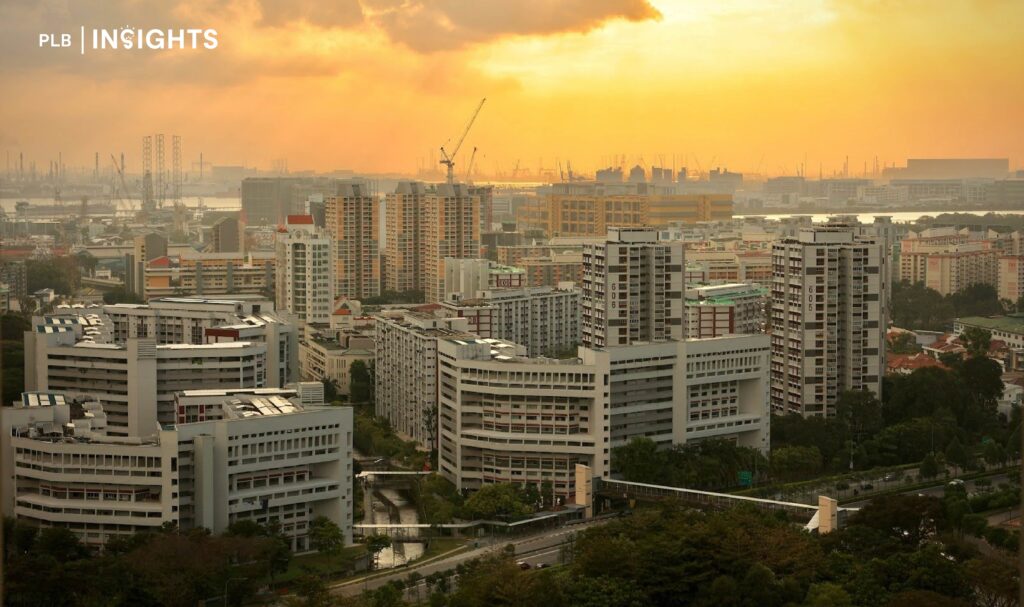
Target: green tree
(860, 412)
(790, 463)
(828, 594)
(325, 536)
(330, 390)
(499, 500)
(12, 355)
(311, 591)
(375, 544)
(639, 460)
(929, 467)
(957, 455)
(977, 341)
(904, 343)
(121, 295)
(361, 388)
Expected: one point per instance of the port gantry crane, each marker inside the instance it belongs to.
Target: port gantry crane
(448, 160)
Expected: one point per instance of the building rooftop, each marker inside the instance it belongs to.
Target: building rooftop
(1012, 323)
(261, 407)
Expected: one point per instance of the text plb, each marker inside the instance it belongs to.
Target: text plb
(55, 40)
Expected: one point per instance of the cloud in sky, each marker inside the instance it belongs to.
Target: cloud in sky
(379, 84)
(427, 26)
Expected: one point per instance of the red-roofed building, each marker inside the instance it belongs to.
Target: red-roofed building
(905, 364)
(299, 220)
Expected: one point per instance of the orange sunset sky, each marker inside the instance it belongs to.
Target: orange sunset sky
(377, 85)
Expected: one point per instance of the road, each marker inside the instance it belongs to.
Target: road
(535, 549)
(939, 489)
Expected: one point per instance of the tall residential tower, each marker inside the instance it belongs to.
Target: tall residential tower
(828, 319)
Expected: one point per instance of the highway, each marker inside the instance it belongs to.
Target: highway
(939, 489)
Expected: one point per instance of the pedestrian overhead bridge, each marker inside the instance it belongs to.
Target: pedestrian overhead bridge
(824, 517)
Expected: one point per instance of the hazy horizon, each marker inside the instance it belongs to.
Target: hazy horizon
(376, 86)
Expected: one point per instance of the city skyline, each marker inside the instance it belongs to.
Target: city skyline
(375, 88)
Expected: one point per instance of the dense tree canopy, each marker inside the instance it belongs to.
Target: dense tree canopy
(915, 306)
(896, 551)
(708, 464)
(921, 413)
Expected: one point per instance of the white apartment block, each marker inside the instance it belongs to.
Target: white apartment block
(264, 457)
(729, 309)
(632, 289)
(727, 390)
(544, 320)
(405, 370)
(135, 382)
(305, 280)
(188, 320)
(132, 359)
(828, 320)
(645, 389)
(508, 418)
(464, 278)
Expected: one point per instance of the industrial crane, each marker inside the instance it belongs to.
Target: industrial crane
(469, 167)
(449, 159)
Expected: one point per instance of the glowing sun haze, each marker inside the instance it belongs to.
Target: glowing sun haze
(376, 85)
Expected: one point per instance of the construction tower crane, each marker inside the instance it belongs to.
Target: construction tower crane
(448, 160)
(469, 167)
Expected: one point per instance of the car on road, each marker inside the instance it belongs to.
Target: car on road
(523, 565)
(543, 565)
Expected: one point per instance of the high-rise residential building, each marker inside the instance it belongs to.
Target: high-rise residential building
(828, 319)
(209, 472)
(1011, 277)
(226, 235)
(14, 275)
(351, 217)
(486, 195)
(949, 259)
(403, 247)
(405, 370)
(305, 270)
(451, 228)
(632, 289)
(425, 221)
(554, 269)
(544, 320)
(206, 274)
(729, 309)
